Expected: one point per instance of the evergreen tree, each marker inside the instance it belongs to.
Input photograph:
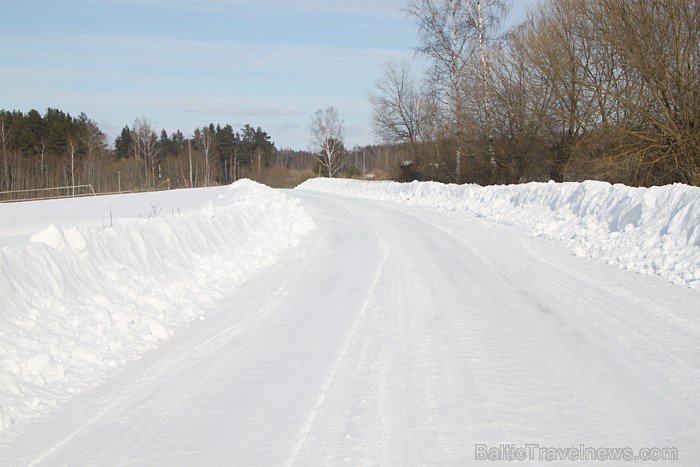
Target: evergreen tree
(177, 141)
(59, 125)
(123, 143)
(264, 145)
(166, 145)
(31, 132)
(226, 147)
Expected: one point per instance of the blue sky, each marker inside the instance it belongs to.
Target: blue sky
(186, 63)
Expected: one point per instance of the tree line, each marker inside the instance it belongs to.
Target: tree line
(211, 155)
(55, 149)
(47, 150)
(41, 152)
(583, 89)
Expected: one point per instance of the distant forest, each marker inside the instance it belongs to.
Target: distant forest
(41, 152)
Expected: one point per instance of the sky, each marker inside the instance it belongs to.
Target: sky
(182, 64)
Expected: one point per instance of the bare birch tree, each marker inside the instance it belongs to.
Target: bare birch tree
(206, 142)
(486, 15)
(445, 31)
(145, 143)
(456, 35)
(71, 150)
(327, 140)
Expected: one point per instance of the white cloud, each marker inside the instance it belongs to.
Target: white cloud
(381, 8)
(157, 50)
(230, 106)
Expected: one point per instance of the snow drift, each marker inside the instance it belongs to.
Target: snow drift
(647, 230)
(76, 301)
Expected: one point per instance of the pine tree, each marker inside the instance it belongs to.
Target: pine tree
(123, 143)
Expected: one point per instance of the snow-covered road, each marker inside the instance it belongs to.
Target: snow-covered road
(400, 335)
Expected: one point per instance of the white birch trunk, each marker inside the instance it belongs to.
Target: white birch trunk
(486, 84)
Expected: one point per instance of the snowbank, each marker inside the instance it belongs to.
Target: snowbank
(77, 301)
(647, 230)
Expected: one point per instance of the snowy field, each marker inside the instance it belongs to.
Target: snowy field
(421, 325)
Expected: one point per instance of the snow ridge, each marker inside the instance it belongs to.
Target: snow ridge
(647, 230)
(75, 302)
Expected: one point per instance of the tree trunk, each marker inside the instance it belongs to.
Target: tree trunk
(71, 144)
(4, 134)
(486, 85)
(189, 147)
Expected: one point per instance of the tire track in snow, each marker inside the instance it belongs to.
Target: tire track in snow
(328, 382)
(452, 356)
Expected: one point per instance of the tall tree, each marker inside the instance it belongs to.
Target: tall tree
(124, 143)
(5, 141)
(557, 41)
(456, 36)
(445, 31)
(166, 146)
(206, 140)
(146, 146)
(399, 106)
(264, 148)
(327, 140)
(177, 141)
(226, 147)
(486, 16)
(93, 142)
(521, 110)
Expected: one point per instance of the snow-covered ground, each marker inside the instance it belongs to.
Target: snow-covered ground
(346, 331)
(645, 230)
(90, 284)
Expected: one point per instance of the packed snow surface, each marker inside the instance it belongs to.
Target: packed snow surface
(76, 301)
(389, 334)
(647, 230)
